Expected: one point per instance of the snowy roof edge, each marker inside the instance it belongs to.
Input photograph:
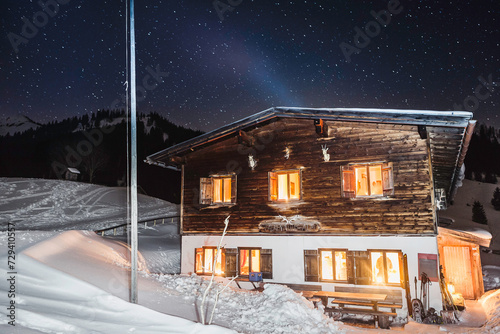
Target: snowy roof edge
(373, 115)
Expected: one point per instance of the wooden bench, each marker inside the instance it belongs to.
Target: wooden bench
(393, 301)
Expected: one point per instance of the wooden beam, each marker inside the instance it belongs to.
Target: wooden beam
(178, 160)
(422, 131)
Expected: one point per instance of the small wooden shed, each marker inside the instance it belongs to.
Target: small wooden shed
(460, 258)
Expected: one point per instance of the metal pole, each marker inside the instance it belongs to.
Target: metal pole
(133, 161)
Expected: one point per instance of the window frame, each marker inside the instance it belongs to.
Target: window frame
(348, 180)
(273, 192)
(333, 250)
(207, 189)
(204, 272)
(249, 260)
(386, 276)
(356, 276)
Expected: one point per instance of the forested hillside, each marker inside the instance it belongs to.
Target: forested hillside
(96, 145)
(483, 157)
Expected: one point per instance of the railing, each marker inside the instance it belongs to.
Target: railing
(122, 228)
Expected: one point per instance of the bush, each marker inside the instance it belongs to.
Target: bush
(495, 201)
(478, 214)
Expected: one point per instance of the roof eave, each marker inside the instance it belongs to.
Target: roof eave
(390, 116)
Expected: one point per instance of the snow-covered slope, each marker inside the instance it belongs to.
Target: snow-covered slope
(52, 300)
(36, 204)
(461, 210)
(18, 123)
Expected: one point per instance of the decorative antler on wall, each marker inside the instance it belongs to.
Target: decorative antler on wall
(287, 152)
(252, 162)
(326, 155)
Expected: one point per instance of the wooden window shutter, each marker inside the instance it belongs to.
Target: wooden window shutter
(351, 275)
(234, 190)
(231, 262)
(311, 265)
(401, 270)
(348, 182)
(198, 261)
(387, 179)
(205, 190)
(266, 263)
(273, 186)
(362, 271)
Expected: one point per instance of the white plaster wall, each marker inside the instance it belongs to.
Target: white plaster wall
(288, 254)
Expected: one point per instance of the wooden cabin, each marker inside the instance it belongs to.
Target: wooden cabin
(341, 198)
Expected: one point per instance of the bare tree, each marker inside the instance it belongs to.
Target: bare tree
(94, 162)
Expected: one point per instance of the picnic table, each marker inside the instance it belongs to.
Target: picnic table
(354, 303)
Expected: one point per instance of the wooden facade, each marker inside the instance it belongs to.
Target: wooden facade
(297, 185)
(409, 210)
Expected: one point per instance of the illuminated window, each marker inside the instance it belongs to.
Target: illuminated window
(204, 262)
(221, 189)
(218, 189)
(371, 267)
(249, 261)
(366, 180)
(284, 185)
(385, 267)
(333, 265)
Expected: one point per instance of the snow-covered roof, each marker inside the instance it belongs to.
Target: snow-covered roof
(476, 236)
(73, 170)
(448, 133)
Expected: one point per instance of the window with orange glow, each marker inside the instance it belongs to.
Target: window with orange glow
(249, 261)
(333, 265)
(367, 180)
(284, 186)
(204, 261)
(218, 190)
(385, 267)
(221, 189)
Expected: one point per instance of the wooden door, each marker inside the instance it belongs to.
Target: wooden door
(457, 263)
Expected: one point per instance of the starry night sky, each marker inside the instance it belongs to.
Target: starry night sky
(262, 54)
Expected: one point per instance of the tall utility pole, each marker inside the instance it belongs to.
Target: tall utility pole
(133, 162)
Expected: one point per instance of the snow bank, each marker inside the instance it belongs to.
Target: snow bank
(53, 302)
(36, 204)
(491, 305)
(277, 309)
(161, 248)
(491, 277)
(77, 282)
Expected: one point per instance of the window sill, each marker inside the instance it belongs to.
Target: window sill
(217, 205)
(210, 274)
(331, 281)
(286, 204)
(374, 198)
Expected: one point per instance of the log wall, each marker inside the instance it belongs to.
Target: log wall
(408, 211)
